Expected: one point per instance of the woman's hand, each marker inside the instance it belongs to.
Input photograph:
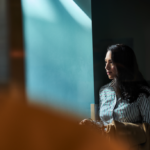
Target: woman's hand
(86, 122)
(92, 124)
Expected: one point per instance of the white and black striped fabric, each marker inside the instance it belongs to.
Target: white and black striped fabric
(113, 108)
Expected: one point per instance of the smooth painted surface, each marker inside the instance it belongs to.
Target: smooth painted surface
(59, 57)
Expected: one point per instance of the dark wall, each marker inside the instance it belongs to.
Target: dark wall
(116, 21)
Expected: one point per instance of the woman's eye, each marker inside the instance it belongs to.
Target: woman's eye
(110, 62)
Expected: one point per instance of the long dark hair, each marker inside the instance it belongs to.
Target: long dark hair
(129, 81)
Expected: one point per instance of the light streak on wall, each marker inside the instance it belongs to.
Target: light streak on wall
(77, 13)
(42, 9)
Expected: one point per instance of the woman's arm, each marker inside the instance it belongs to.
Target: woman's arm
(133, 134)
(144, 107)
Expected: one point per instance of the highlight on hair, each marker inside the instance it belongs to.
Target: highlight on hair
(129, 81)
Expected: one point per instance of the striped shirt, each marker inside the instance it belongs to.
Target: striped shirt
(113, 108)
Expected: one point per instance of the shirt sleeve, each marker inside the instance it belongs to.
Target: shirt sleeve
(101, 94)
(144, 107)
(99, 123)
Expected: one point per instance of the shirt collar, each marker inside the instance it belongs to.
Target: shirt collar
(112, 83)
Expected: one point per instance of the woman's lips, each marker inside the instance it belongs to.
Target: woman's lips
(108, 73)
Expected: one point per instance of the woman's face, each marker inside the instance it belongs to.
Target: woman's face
(109, 66)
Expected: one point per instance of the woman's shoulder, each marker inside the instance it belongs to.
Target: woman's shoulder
(145, 94)
(106, 88)
(145, 91)
(146, 88)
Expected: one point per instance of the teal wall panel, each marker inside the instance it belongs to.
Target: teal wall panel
(59, 56)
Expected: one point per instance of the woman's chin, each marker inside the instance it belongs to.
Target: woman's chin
(110, 77)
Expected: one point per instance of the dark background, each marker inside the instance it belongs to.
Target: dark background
(115, 21)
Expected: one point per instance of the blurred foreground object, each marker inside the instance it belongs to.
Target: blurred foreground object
(28, 127)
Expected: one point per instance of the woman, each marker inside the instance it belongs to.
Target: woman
(126, 98)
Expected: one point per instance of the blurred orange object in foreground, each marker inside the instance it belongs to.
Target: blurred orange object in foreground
(25, 127)
(30, 127)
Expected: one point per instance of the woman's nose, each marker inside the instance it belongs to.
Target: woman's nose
(107, 66)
